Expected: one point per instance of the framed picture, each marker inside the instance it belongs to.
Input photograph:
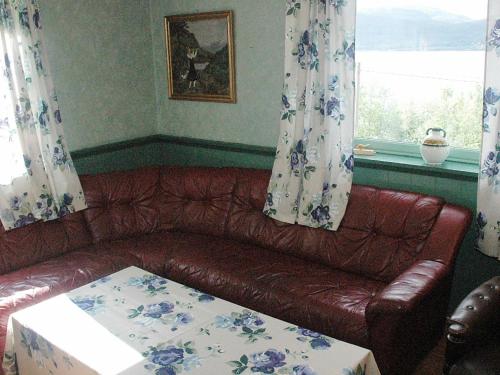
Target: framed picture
(200, 57)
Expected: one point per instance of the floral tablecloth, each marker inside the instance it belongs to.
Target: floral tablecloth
(134, 322)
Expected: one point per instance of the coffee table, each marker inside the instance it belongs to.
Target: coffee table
(134, 322)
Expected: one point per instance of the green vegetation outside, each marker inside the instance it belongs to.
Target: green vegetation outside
(381, 116)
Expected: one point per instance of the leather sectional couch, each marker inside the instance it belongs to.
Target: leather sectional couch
(381, 281)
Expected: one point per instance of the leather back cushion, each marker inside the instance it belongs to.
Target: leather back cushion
(380, 236)
(121, 204)
(195, 200)
(37, 242)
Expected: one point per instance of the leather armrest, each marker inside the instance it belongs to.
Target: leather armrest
(409, 289)
(447, 234)
(407, 316)
(478, 315)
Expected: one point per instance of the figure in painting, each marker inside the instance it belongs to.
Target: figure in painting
(192, 74)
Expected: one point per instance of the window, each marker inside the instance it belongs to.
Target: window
(420, 65)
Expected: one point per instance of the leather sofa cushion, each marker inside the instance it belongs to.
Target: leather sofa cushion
(34, 284)
(305, 293)
(393, 233)
(23, 247)
(381, 235)
(149, 252)
(195, 200)
(120, 204)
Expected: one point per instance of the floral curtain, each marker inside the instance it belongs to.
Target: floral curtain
(488, 218)
(37, 177)
(312, 173)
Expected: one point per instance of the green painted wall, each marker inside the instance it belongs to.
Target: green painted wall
(102, 64)
(259, 28)
(131, 156)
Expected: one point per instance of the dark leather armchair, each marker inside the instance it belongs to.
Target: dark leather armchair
(473, 333)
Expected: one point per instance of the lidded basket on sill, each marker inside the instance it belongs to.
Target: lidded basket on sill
(435, 148)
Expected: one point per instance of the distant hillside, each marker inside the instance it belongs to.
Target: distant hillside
(403, 30)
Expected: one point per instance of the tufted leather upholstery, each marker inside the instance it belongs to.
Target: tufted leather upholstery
(195, 200)
(397, 222)
(381, 281)
(35, 243)
(473, 333)
(305, 293)
(120, 205)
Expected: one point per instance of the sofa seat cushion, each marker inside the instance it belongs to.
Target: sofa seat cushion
(305, 293)
(30, 285)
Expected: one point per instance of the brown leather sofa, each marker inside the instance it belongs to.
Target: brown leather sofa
(381, 281)
(473, 333)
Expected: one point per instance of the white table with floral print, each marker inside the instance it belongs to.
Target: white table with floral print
(133, 322)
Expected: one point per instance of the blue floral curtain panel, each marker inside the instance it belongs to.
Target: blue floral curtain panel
(488, 218)
(37, 177)
(312, 173)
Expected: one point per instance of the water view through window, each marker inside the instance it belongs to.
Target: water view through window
(420, 65)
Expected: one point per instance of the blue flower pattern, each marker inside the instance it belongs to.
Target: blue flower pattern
(266, 362)
(491, 168)
(156, 311)
(307, 51)
(163, 312)
(200, 296)
(494, 37)
(321, 214)
(172, 359)
(488, 200)
(151, 284)
(257, 344)
(44, 163)
(490, 110)
(40, 350)
(317, 116)
(316, 340)
(481, 222)
(92, 304)
(270, 361)
(249, 325)
(348, 163)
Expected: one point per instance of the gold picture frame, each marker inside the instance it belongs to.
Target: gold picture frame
(200, 57)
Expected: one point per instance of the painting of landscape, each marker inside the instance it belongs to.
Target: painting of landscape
(200, 57)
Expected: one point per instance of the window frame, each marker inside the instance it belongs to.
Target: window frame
(457, 154)
(407, 149)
